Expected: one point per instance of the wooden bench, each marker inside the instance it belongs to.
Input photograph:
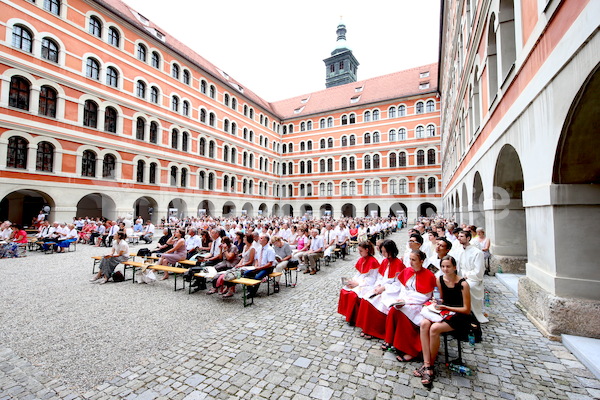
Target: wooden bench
(31, 242)
(132, 265)
(173, 270)
(271, 279)
(187, 263)
(246, 282)
(288, 274)
(353, 244)
(97, 260)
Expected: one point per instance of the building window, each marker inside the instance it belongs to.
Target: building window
(186, 77)
(139, 176)
(18, 96)
(234, 103)
(22, 38)
(419, 131)
(367, 117)
(421, 185)
(392, 112)
(47, 106)
(352, 118)
(376, 187)
(17, 152)
(329, 189)
(112, 77)
(392, 160)
(430, 157)
(401, 110)
(202, 180)
(430, 107)
(392, 135)
(95, 27)
(152, 173)
(352, 163)
(431, 185)
(226, 100)
(174, 139)
(430, 130)
(309, 167)
(185, 138)
(212, 92)
(211, 119)
(110, 120)
(344, 188)
(322, 166)
(155, 61)
(393, 186)
(402, 186)
(92, 69)
(420, 157)
(367, 138)
(44, 160)
(322, 143)
(88, 164)
(330, 122)
(186, 108)
(344, 120)
(211, 152)
(183, 179)
(344, 141)
(375, 115)
(49, 50)
(173, 176)
(211, 182)
(352, 189)
(367, 187)
(376, 137)
(154, 95)
(419, 108)
(52, 6)
(175, 71)
(175, 103)
(402, 159)
(90, 114)
(352, 140)
(330, 165)
(309, 126)
(367, 161)
(322, 123)
(140, 128)
(114, 37)
(376, 161)
(142, 52)
(401, 134)
(202, 147)
(153, 132)
(203, 89)
(140, 89)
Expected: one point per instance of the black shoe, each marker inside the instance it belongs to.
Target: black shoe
(276, 287)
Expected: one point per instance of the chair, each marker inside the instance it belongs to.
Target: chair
(457, 361)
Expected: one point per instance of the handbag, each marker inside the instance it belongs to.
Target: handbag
(118, 276)
(293, 264)
(232, 274)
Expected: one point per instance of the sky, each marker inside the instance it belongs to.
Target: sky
(276, 47)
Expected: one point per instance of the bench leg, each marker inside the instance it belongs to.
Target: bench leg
(246, 304)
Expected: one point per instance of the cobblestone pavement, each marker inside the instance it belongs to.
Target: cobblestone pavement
(293, 345)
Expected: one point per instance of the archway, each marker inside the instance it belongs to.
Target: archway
(288, 210)
(276, 210)
(478, 215)
(399, 210)
(306, 209)
(464, 212)
(206, 207)
(177, 208)
(372, 210)
(348, 210)
(145, 207)
(96, 205)
(248, 210)
(426, 210)
(326, 210)
(510, 235)
(23, 206)
(263, 210)
(228, 209)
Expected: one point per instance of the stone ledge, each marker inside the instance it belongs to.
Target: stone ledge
(587, 350)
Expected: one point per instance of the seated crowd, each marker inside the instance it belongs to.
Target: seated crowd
(408, 300)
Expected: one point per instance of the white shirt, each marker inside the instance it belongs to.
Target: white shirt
(193, 242)
(265, 255)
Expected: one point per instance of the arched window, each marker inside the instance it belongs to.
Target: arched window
(211, 119)
(402, 134)
(322, 166)
(112, 77)
(402, 186)
(367, 116)
(186, 77)
(174, 139)
(430, 157)
(109, 166)
(290, 147)
(18, 96)
(234, 103)
(392, 112)
(344, 120)
(376, 161)
(140, 89)
(140, 129)
(393, 186)
(44, 160)
(202, 180)
(185, 110)
(392, 135)
(152, 173)
(153, 132)
(401, 110)
(233, 156)
(225, 183)
(344, 164)
(211, 182)
(430, 107)
(419, 132)
(52, 6)
(90, 114)
(344, 141)
(352, 140)
(142, 52)
(322, 123)
(233, 186)
(302, 190)
(419, 109)
(329, 189)
(367, 138)
(309, 167)
(88, 164)
(226, 125)
(185, 139)
(352, 118)
(309, 145)
(50, 50)
(175, 103)
(202, 115)
(17, 152)
(309, 125)
(183, 178)
(92, 69)
(352, 188)
(344, 188)
(392, 161)
(322, 189)
(367, 161)
(431, 185)
(376, 137)
(302, 126)
(110, 120)
(155, 61)
(139, 176)
(233, 128)
(402, 159)
(154, 95)
(330, 165)
(376, 187)
(302, 146)
(352, 163)
(251, 116)
(330, 122)
(226, 153)
(226, 99)
(173, 175)
(421, 185)
(375, 115)
(430, 130)
(211, 149)
(22, 39)
(212, 92)
(322, 143)
(330, 143)
(95, 27)
(420, 157)
(367, 187)
(114, 37)
(203, 86)
(175, 71)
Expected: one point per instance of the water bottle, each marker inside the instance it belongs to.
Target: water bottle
(461, 369)
(487, 299)
(471, 338)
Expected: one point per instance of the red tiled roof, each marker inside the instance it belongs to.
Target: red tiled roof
(398, 84)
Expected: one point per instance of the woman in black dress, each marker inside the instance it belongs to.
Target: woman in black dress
(456, 304)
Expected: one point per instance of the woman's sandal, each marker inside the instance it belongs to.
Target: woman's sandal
(427, 376)
(419, 372)
(403, 358)
(228, 294)
(386, 346)
(365, 336)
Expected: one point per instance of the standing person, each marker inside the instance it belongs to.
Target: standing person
(264, 263)
(314, 253)
(367, 268)
(119, 253)
(404, 318)
(372, 312)
(177, 253)
(472, 269)
(456, 298)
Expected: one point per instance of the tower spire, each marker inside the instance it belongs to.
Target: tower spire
(342, 65)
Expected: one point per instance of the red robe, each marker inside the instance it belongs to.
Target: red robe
(349, 300)
(400, 332)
